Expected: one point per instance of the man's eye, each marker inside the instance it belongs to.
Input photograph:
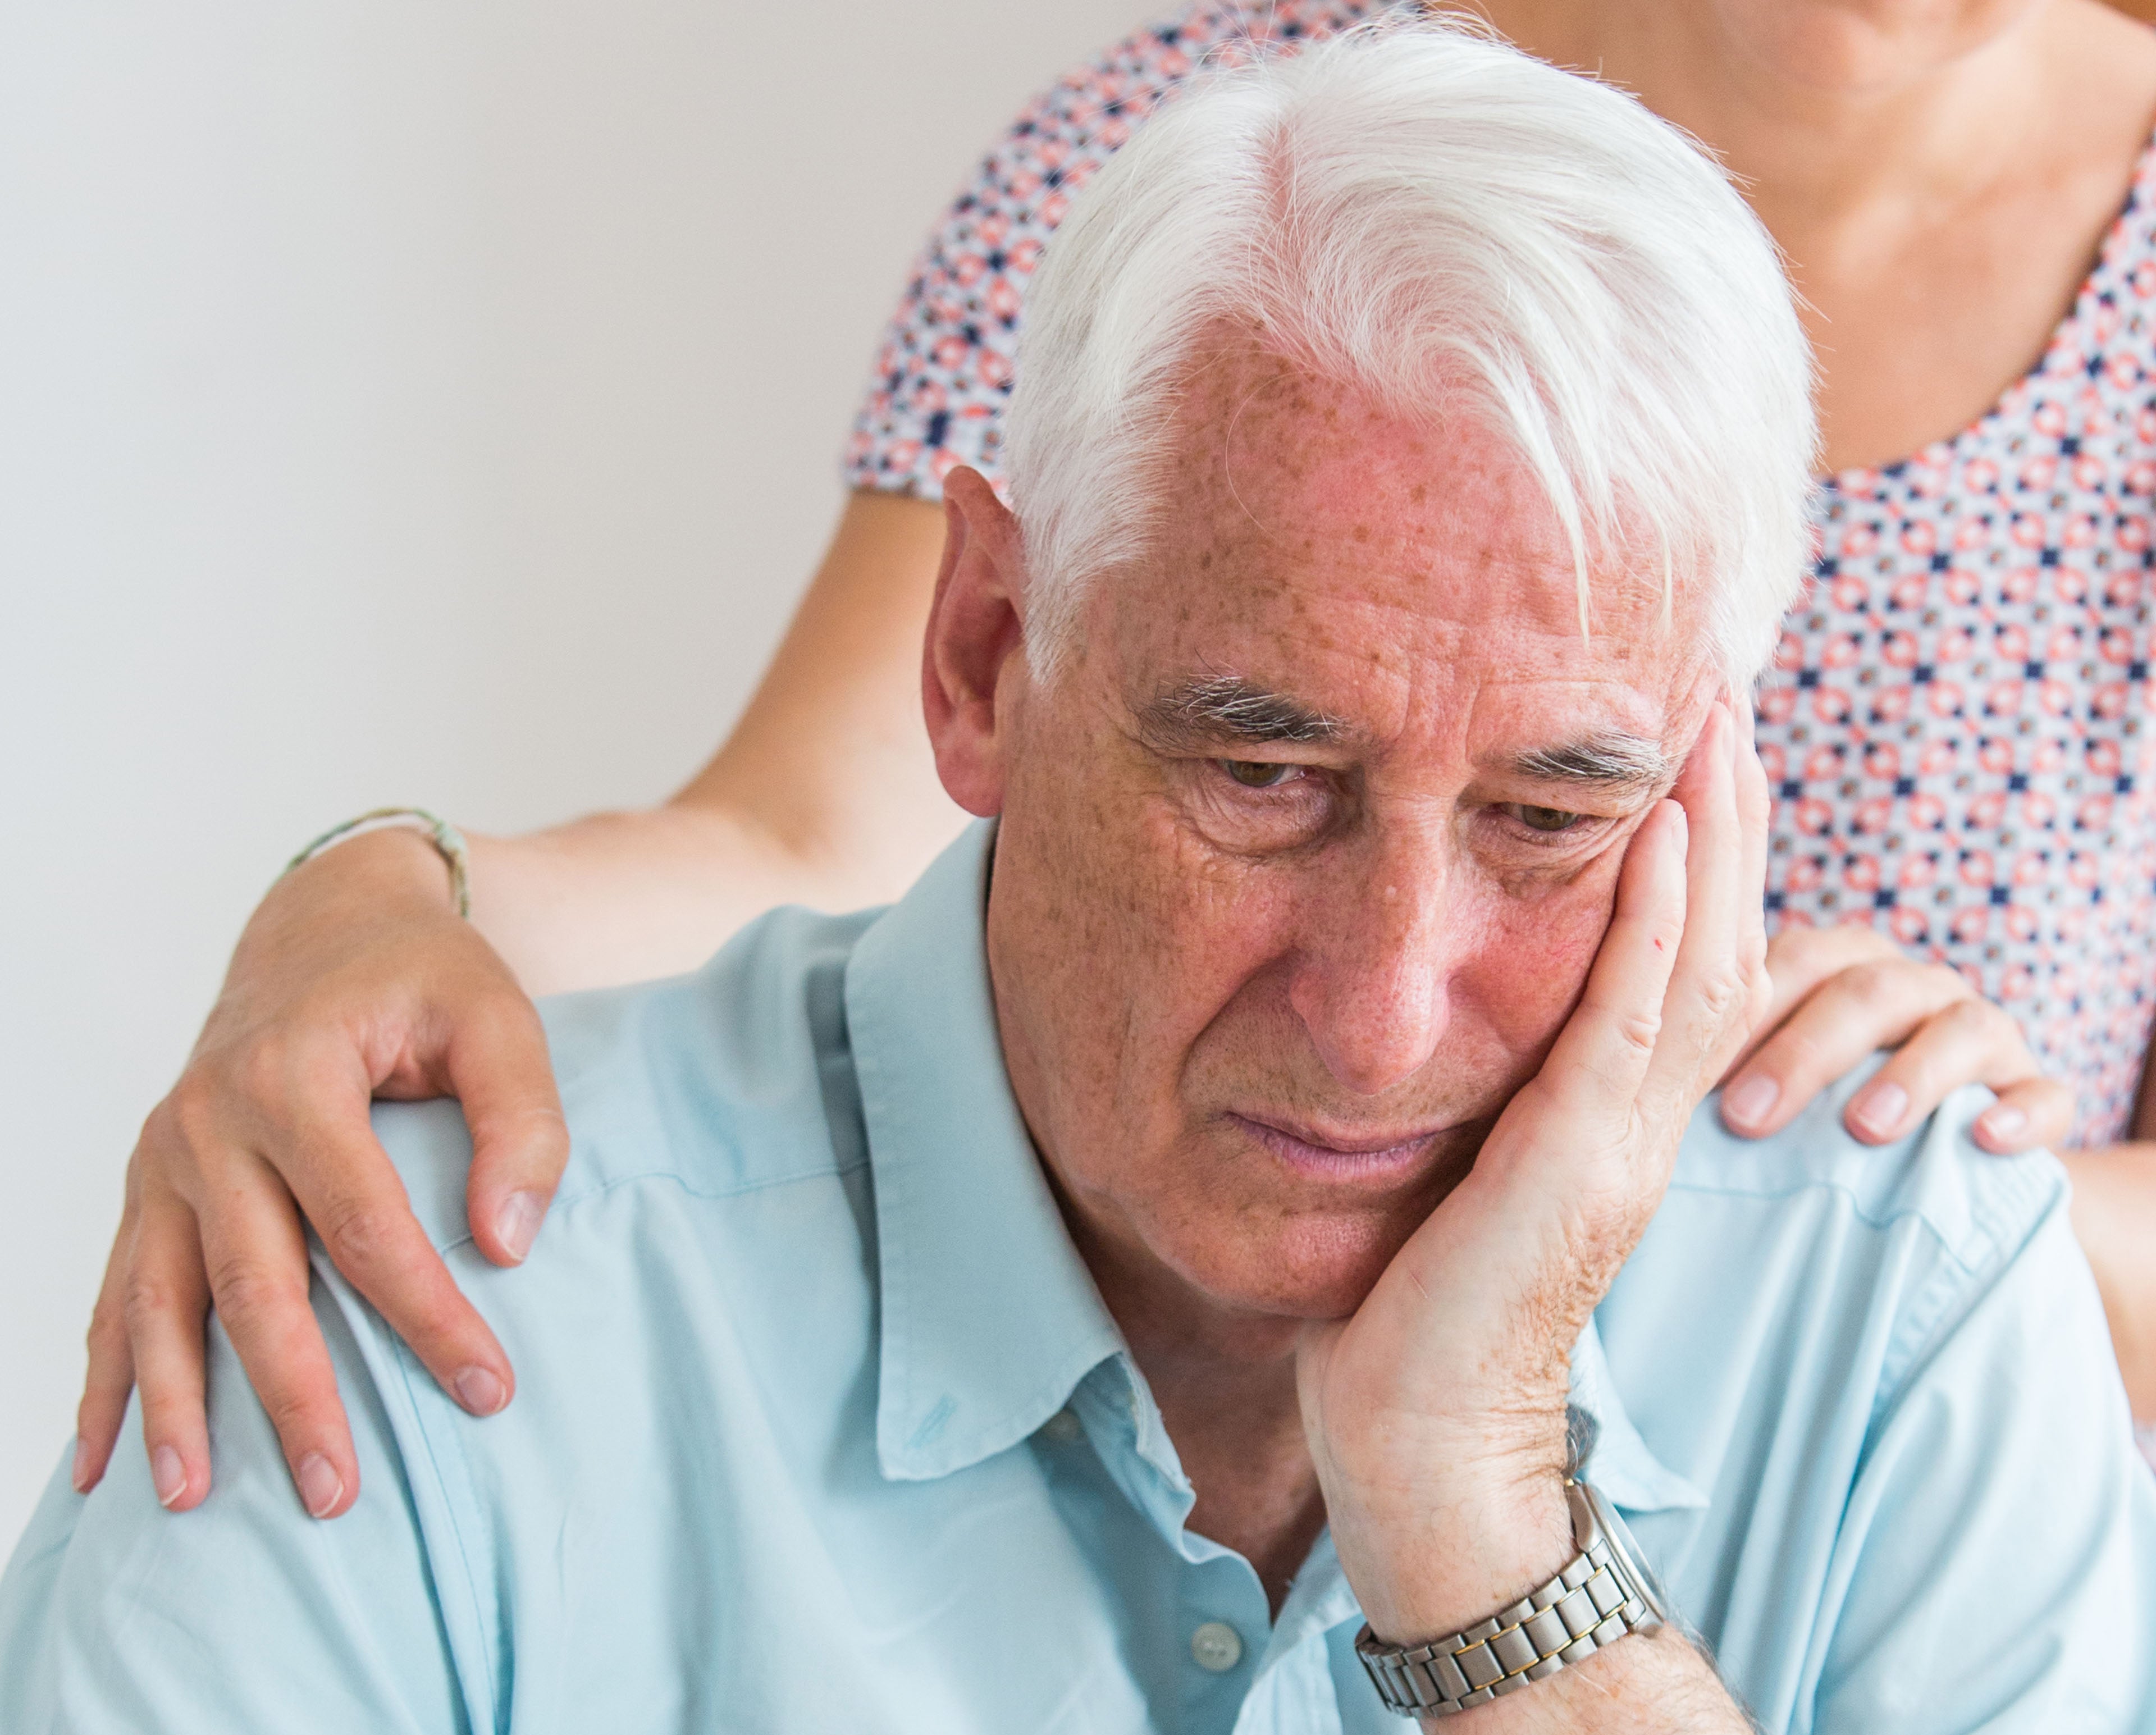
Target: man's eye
(1543, 819)
(1258, 774)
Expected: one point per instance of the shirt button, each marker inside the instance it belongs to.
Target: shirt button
(1062, 1426)
(1215, 1648)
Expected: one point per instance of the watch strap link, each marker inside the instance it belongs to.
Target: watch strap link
(1592, 1603)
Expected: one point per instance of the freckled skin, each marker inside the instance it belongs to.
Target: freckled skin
(1377, 953)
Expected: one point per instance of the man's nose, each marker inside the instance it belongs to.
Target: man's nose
(1371, 983)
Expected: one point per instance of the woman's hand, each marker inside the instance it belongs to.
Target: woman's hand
(1842, 993)
(355, 979)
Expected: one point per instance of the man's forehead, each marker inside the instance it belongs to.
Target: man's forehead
(1273, 463)
(1281, 484)
(1341, 560)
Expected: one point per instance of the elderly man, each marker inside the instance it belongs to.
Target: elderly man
(1211, 1213)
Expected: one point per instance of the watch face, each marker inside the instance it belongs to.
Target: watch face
(1635, 1563)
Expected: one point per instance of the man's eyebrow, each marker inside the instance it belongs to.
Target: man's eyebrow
(1607, 760)
(1226, 707)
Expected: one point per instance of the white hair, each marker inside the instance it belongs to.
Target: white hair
(1426, 215)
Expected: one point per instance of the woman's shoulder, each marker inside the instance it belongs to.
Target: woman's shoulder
(935, 397)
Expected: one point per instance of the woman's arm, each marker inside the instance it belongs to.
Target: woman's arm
(2115, 1219)
(355, 978)
(823, 794)
(2114, 1214)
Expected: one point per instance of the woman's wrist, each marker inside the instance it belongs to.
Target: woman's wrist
(446, 840)
(377, 871)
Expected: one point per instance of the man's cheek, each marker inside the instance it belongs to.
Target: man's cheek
(1537, 959)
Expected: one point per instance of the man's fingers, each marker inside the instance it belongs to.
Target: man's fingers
(1880, 1002)
(166, 1301)
(1971, 1041)
(1603, 1053)
(257, 1255)
(498, 1067)
(1710, 999)
(1755, 813)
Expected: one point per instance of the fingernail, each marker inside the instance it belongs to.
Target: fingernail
(2002, 1122)
(1750, 1102)
(168, 1475)
(1880, 1109)
(479, 1391)
(80, 1476)
(320, 1487)
(517, 1225)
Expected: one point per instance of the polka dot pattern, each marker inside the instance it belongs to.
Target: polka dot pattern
(1957, 726)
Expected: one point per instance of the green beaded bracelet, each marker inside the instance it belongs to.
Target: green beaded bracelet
(446, 839)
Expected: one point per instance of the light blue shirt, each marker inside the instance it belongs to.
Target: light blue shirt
(821, 1426)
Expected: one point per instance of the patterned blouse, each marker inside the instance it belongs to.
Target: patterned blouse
(1955, 725)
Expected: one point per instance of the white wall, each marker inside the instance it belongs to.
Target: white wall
(399, 402)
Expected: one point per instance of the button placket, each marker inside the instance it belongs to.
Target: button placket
(1216, 1647)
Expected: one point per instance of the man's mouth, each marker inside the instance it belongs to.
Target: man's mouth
(1371, 1156)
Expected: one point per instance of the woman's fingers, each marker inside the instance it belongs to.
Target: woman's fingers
(256, 1250)
(348, 1189)
(1969, 1042)
(166, 1301)
(352, 978)
(2036, 1114)
(1878, 1003)
(499, 1069)
(1944, 1034)
(112, 1374)
(237, 1242)
(1799, 960)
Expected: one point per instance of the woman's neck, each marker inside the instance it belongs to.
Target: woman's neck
(1822, 125)
(1939, 202)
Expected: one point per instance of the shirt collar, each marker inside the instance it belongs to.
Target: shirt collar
(990, 1318)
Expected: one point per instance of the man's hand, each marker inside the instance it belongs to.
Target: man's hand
(1437, 1414)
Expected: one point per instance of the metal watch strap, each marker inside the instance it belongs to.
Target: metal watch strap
(1594, 1601)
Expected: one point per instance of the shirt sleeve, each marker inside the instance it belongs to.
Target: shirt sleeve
(944, 375)
(1998, 1558)
(242, 1616)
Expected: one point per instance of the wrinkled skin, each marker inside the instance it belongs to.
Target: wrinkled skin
(1376, 952)
(1293, 907)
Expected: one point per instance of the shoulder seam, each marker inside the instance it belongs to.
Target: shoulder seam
(2005, 1231)
(1984, 1210)
(564, 1201)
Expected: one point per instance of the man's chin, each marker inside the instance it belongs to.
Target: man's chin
(1318, 1216)
(1310, 1265)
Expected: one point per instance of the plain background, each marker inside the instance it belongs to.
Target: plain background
(399, 401)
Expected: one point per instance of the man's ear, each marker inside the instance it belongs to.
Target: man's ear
(975, 641)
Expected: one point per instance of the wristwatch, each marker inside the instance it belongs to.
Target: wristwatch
(1609, 1590)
